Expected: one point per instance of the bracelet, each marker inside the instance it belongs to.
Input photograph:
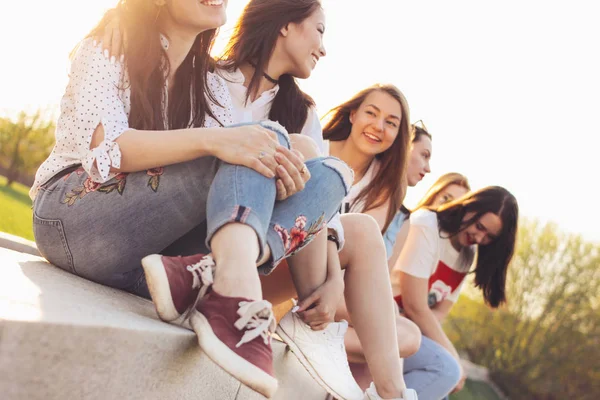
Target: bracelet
(334, 239)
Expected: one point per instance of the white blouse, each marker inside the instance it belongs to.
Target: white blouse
(98, 93)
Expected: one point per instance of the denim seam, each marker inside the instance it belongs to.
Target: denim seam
(63, 237)
(330, 162)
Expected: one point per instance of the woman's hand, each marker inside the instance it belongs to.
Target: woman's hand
(318, 309)
(252, 146)
(113, 38)
(461, 382)
(292, 173)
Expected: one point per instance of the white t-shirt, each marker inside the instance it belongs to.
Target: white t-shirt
(428, 254)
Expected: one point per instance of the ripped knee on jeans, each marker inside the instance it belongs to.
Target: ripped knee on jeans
(345, 172)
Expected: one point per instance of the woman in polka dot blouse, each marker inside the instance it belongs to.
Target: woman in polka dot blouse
(145, 157)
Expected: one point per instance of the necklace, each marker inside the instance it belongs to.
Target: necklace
(267, 76)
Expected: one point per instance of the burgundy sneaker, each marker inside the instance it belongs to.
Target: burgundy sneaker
(176, 282)
(236, 334)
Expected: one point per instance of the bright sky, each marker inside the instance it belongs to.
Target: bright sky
(509, 90)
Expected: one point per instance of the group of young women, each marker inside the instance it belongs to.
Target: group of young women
(171, 179)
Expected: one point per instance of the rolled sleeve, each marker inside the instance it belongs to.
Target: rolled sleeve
(94, 95)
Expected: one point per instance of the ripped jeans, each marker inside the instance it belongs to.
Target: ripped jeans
(102, 231)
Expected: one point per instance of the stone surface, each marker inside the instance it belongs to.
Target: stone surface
(62, 337)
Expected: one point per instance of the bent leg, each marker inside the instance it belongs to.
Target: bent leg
(432, 371)
(369, 300)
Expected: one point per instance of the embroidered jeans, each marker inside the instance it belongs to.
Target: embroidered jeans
(102, 231)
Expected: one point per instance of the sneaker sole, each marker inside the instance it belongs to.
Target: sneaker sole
(158, 286)
(305, 363)
(238, 367)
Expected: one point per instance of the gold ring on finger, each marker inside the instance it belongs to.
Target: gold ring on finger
(261, 155)
(303, 170)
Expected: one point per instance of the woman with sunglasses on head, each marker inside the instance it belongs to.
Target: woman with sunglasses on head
(275, 42)
(437, 254)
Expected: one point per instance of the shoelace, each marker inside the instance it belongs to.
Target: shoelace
(203, 273)
(258, 320)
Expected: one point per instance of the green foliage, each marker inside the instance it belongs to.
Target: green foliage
(545, 343)
(474, 390)
(25, 143)
(15, 210)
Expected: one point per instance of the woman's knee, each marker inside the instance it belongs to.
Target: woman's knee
(361, 232)
(409, 336)
(305, 145)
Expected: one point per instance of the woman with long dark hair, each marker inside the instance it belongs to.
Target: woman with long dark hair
(446, 188)
(274, 43)
(437, 255)
(142, 159)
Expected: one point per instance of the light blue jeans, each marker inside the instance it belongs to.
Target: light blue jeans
(432, 371)
(102, 231)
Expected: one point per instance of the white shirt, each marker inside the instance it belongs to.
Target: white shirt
(258, 110)
(429, 255)
(98, 93)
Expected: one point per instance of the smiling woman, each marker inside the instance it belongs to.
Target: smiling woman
(371, 132)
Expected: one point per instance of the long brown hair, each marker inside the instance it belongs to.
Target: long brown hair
(389, 184)
(253, 41)
(492, 259)
(451, 178)
(148, 66)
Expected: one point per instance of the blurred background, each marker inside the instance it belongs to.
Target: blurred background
(509, 91)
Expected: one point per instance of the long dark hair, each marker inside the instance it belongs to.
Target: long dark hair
(253, 41)
(492, 259)
(389, 184)
(147, 67)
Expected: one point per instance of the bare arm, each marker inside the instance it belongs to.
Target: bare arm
(414, 299)
(399, 244)
(148, 149)
(442, 309)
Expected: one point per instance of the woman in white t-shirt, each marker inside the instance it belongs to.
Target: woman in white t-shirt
(439, 250)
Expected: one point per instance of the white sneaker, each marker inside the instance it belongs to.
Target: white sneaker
(371, 394)
(323, 354)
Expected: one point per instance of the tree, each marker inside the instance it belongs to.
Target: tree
(545, 343)
(25, 143)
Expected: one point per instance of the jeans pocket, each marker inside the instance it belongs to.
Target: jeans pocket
(52, 242)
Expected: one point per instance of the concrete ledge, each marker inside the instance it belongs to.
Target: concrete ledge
(62, 337)
(18, 244)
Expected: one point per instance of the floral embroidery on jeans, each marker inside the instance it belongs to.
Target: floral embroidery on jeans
(298, 237)
(117, 183)
(155, 174)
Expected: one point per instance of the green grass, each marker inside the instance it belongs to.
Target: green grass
(475, 390)
(15, 210)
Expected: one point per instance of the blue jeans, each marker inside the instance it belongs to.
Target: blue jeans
(102, 231)
(432, 371)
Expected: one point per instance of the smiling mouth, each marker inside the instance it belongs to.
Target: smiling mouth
(372, 137)
(212, 3)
